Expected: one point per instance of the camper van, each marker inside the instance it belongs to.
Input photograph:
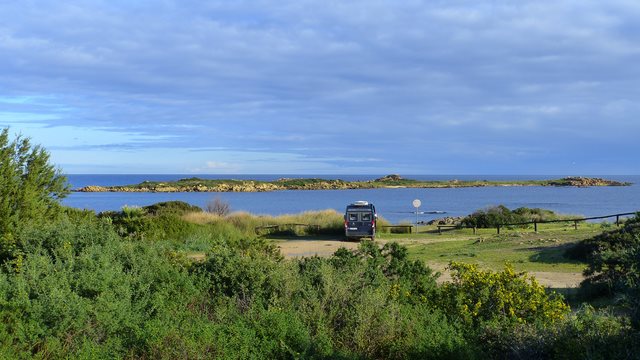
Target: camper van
(360, 220)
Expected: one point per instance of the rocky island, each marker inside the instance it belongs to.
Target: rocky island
(195, 184)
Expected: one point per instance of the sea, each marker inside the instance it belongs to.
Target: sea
(395, 205)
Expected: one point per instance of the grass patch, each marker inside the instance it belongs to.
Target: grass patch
(526, 250)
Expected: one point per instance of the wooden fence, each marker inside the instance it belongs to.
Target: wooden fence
(284, 227)
(535, 223)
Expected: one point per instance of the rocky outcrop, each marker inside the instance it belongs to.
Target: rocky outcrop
(449, 220)
(585, 181)
(392, 177)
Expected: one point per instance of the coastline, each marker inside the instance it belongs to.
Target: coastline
(389, 182)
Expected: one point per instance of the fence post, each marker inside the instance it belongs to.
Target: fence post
(575, 224)
(535, 226)
(617, 220)
(498, 228)
(474, 230)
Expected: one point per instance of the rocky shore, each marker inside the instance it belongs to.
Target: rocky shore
(389, 181)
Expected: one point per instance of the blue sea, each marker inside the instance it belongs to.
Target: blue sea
(394, 205)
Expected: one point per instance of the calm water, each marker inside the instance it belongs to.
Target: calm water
(392, 204)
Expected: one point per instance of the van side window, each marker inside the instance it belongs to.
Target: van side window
(353, 217)
(366, 217)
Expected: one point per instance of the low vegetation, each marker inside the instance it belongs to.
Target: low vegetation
(121, 285)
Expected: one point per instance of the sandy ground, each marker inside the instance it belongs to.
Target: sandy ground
(305, 248)
(325, 248)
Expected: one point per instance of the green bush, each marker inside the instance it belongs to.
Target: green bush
(501, 215)
(584, 334)
(613, 259)
(375, 303)
(79, 289)
(476, 297)
(161, 221)
(171, 208)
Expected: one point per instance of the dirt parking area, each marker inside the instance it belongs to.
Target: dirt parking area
(306, 248)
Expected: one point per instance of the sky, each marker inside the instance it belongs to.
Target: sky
(325, 87)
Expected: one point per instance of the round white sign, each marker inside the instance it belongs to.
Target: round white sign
(416, 203)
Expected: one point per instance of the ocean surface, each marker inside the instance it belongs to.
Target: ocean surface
(394, 205)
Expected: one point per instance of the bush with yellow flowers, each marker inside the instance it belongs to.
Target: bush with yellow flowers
(478, 296)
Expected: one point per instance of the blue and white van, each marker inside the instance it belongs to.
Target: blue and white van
(360, 220)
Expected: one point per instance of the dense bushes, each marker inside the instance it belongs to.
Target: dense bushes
(81, 290)
(477, 296)
(584, 334)
(501, 215)
(614, 265)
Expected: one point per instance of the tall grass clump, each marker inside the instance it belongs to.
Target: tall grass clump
(319, 222)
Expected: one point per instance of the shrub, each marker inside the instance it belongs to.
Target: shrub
(613, 259)
(218, 207)
(161, 221)
(476, 297)
(249, 275)
(501, 215)
(491, 217)
(375, 303)
(82, 291)
(171, 208)
(584, 334)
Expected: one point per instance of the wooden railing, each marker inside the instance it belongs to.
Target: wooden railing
(536, 222)
(283, 227)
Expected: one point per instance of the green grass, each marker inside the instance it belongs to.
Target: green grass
(525, 249)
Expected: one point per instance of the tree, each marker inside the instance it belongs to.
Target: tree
(30, 187)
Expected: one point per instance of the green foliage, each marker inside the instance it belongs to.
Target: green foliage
(80, 290)
(171, 208)
(161, 221)
(614, 264)
(250, 274)
(476, 297)
(30, 189)
(375, 303)
(490, 217)
(584, 334)
(501, 215)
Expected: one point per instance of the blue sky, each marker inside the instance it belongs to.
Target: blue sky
(325, 87)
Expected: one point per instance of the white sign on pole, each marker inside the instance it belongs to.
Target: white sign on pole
(416, 204)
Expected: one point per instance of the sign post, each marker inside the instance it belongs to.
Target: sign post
(416, 204)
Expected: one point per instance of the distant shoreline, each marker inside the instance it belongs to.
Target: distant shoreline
(195, 184)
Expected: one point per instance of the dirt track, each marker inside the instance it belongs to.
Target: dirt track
(325, 248)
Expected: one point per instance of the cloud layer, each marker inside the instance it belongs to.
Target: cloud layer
(325, 86)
